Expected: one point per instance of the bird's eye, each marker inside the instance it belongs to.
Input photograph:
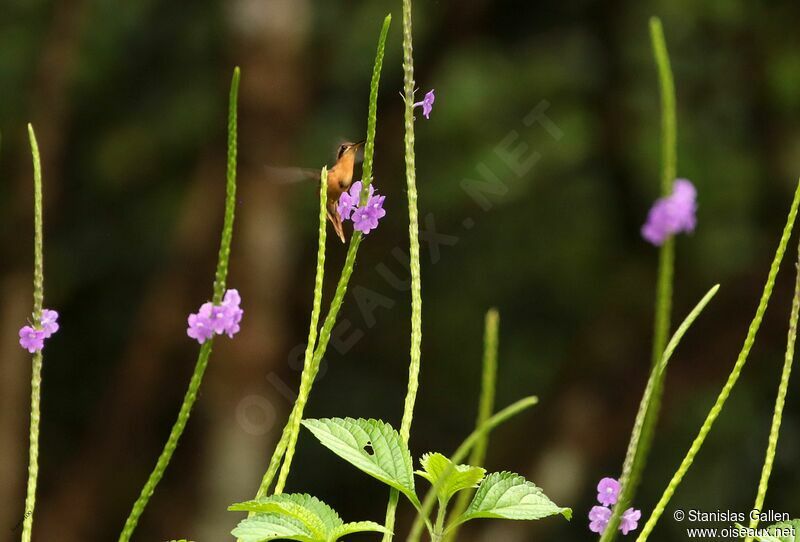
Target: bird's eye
(342, 148)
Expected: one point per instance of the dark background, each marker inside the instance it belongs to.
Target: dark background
(129, 101)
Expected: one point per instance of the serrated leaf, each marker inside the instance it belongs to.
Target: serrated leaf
(506, 495)
(265, 527)
(357, 527)
(371, 446)
(436, 467)
(784, 531)
(319, 518)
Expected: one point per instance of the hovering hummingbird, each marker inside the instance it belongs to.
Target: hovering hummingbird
(340, 177)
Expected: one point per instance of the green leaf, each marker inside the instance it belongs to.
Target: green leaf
(371, 446)
(506, 495)
(264, 527)
(357, 527)
(784, 531)
(317, 517)
(447, 478)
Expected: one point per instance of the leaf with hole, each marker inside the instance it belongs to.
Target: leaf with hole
(371, 446)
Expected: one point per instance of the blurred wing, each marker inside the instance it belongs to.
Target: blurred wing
(291, 175)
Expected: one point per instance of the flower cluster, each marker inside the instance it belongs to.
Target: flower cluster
(427, 104)
(216, 319)
(607, 494)
(673, 214)
(365, 217)
(32, 338)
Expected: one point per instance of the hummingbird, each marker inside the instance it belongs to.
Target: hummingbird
(340, 177)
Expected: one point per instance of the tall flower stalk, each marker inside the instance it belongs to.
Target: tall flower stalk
(413, 239)
(308, 369)
(783, 387)
(741, 360)
(647, 417)
(36, 366)
(284, 451)
(485, 408)
(205, 350)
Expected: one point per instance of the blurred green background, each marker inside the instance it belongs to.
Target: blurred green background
(129, 100)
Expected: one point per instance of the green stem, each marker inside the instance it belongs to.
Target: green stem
(36, 366)
(413, 239)
(205, 350)
(461, 453)
(666, 264)
(732, 378)
(634, 464)
(310, 372)
(777, 415)
(438, 527)
(306, 380)
(485, 407)
(625, 496)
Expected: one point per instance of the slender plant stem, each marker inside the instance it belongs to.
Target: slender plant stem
(413, 240)
(644, 428)
(306, 378)
(625, 496)
(205, 350)
(289, 437)
(732, 378)
(460, 454)
(666, 264)
(438, 527)
(485, 408)
(36, 365)
(780, 400)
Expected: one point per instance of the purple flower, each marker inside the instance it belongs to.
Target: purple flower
(31, 339)
(673, 214)
(200, 324)
(233, 313)
(608, 491)
(427, 104)
(49, 322)
(349, 201)
(629, 520)
(598, 518)
(216, 319)
(365, 219)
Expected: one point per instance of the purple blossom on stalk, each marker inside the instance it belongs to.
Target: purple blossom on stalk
(216, 319)
(608, 491)
(234, 313)
(200, 327)
(365, 219)
(629, 520)
(349, 201)
(673, 214)
(49, 322)
(427, 104)
(607, 495)
(32, 338)
(598, 518)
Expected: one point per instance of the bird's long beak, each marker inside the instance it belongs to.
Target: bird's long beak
(360, 144)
